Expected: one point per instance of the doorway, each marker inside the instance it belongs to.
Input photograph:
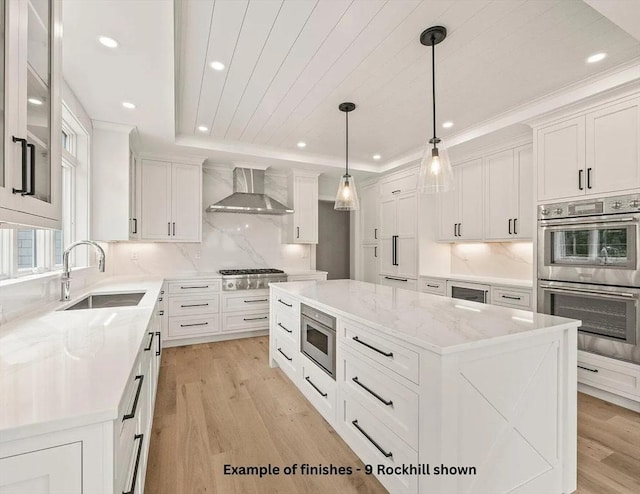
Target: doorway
(333, 250)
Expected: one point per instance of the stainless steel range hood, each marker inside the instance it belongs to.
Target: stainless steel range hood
(248, 196)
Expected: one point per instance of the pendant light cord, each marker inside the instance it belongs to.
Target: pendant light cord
(433, 85)
(346, 115)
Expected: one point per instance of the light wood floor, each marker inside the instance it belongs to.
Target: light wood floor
(220, 403)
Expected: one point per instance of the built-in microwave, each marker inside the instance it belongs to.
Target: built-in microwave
(473, 292)
(318, 338)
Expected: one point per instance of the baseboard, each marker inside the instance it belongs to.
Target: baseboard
(212, 338)
(610, 397)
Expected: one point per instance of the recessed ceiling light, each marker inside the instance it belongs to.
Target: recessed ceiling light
(217, 65)
(376, 156)
(596, 57)
(447, 125)
(301, 144)
(35, 101)
(128, 106)
(203, 128)
(108, 42)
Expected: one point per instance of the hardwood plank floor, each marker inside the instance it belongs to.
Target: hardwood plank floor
(220, 403)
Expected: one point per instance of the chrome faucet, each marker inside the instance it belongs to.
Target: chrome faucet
(65, 280)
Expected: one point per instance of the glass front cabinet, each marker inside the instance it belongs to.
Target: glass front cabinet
(30, 84)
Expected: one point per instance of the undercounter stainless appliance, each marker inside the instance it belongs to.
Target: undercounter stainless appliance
(250, 279)
(318, 338)
(588, 269)
(468, 291)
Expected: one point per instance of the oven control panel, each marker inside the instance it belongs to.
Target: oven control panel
(590, 207)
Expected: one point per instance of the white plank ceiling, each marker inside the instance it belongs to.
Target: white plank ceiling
(289, 63)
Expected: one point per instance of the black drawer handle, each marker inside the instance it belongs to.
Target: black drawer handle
(386, 354)
(255, 301)
(137, 465)
(194, 305)
(324, 395)
(386, 402)
(193, 287)
(433, 286)
(254, 318)
(160, 299)
(587, 368)
(32, 172)
(285, 355)
(195, 324)
(511, 297)
(159, 350)
(371, 440)
(161, 313)
(287, 330)
(288, 305)
(23, 147)
(134, 408)
(396, 191)
(150, 343)
(396, 279)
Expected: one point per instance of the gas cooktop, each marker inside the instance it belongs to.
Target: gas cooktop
(250, 279)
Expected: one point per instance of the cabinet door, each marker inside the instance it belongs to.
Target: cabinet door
(385, 255)
(561, 160)
(500, 192)
(407, 211)
(369, 201)
(306, 210)
(471, 201)
(388, 217)
(186, 202)
(155, 200)
(406, 257)
(613, 148)
(369, 271)
(48, 471)
(524, 227)
(448, 210)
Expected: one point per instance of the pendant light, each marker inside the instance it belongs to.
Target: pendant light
(347, 196)
(435, 169)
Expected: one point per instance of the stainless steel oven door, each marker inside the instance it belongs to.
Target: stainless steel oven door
(319, 344)
(610, 315)
(602, 249)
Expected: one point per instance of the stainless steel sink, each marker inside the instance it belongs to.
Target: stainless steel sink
(102, 300)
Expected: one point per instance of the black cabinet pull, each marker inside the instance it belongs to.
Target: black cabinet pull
(193, 287)
(588, 178)
(395, 279)
(511, 297)
(394, 250)
(150, 343)
(285, 355)
(375, 251)
(161, 292)
(324, 395)
(395, 191)
(433, 286)
(32, 170)
(161, 313)
(287, 330)
(194, 305)
(386, 402)
(195, 324)
(587, 368)
(371, 440)
(159, 350)
(455, 229)
(254, 318)
(137, 465)
(386, 354)
(297, 232)
(510, 220)
(515, 226)
(134, 408)
(168, 228)
(174, 228)
(255, 301)
(459, 229)
(375, 234)
(288, 305)
(23, 146)
(580, 172)
(135, 225)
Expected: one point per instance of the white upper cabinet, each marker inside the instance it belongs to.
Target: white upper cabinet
(461, 209)
(591, 154)
(369, 213)
(301, 227)
(186, 202)
(30, 171)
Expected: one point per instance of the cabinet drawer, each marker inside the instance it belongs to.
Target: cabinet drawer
(188, 306)
(401, 360)
(245, 321)
(433, 285)
(399, 184)
(194, 287)
(287, 355)
(610, 375)
(183, 326)
(287, 304)
(386, 399)
(506, 297)
(286, 325)
(398, 282)
(245, 301)
(375, 444)
(319, 388)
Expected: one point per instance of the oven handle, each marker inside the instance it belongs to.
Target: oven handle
(592, 292)
(564, 222)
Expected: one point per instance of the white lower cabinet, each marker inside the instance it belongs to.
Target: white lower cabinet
(610, 375)
(193, 309)
(319, 388)
(245, 310)
(397, 282)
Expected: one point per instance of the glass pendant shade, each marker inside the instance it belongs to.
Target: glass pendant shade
(435, 174)
(347, 196)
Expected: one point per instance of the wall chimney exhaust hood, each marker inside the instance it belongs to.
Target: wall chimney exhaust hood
(248, 196)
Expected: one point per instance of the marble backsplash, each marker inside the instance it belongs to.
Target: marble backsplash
(500, 260)
(229, 240)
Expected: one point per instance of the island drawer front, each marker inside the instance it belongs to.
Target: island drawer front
(258, 299)
(386, 399)
(287, 356)
(286, 325)
(433, 286)
(286, 303)
(243, 321)
(385, 442)
(183, 326)
(610, 375)
(319, 388)
(507, 297)
(190, 306)
(401, 360)
(194, 287)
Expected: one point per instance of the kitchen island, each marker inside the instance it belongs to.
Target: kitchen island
(435, 394)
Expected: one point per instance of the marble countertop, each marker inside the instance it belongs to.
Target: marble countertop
(66, 369)
(490, 280)
(440, 324)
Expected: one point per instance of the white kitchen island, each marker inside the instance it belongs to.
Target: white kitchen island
(424, 382)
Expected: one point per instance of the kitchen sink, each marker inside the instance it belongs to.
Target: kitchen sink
(102, 300)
